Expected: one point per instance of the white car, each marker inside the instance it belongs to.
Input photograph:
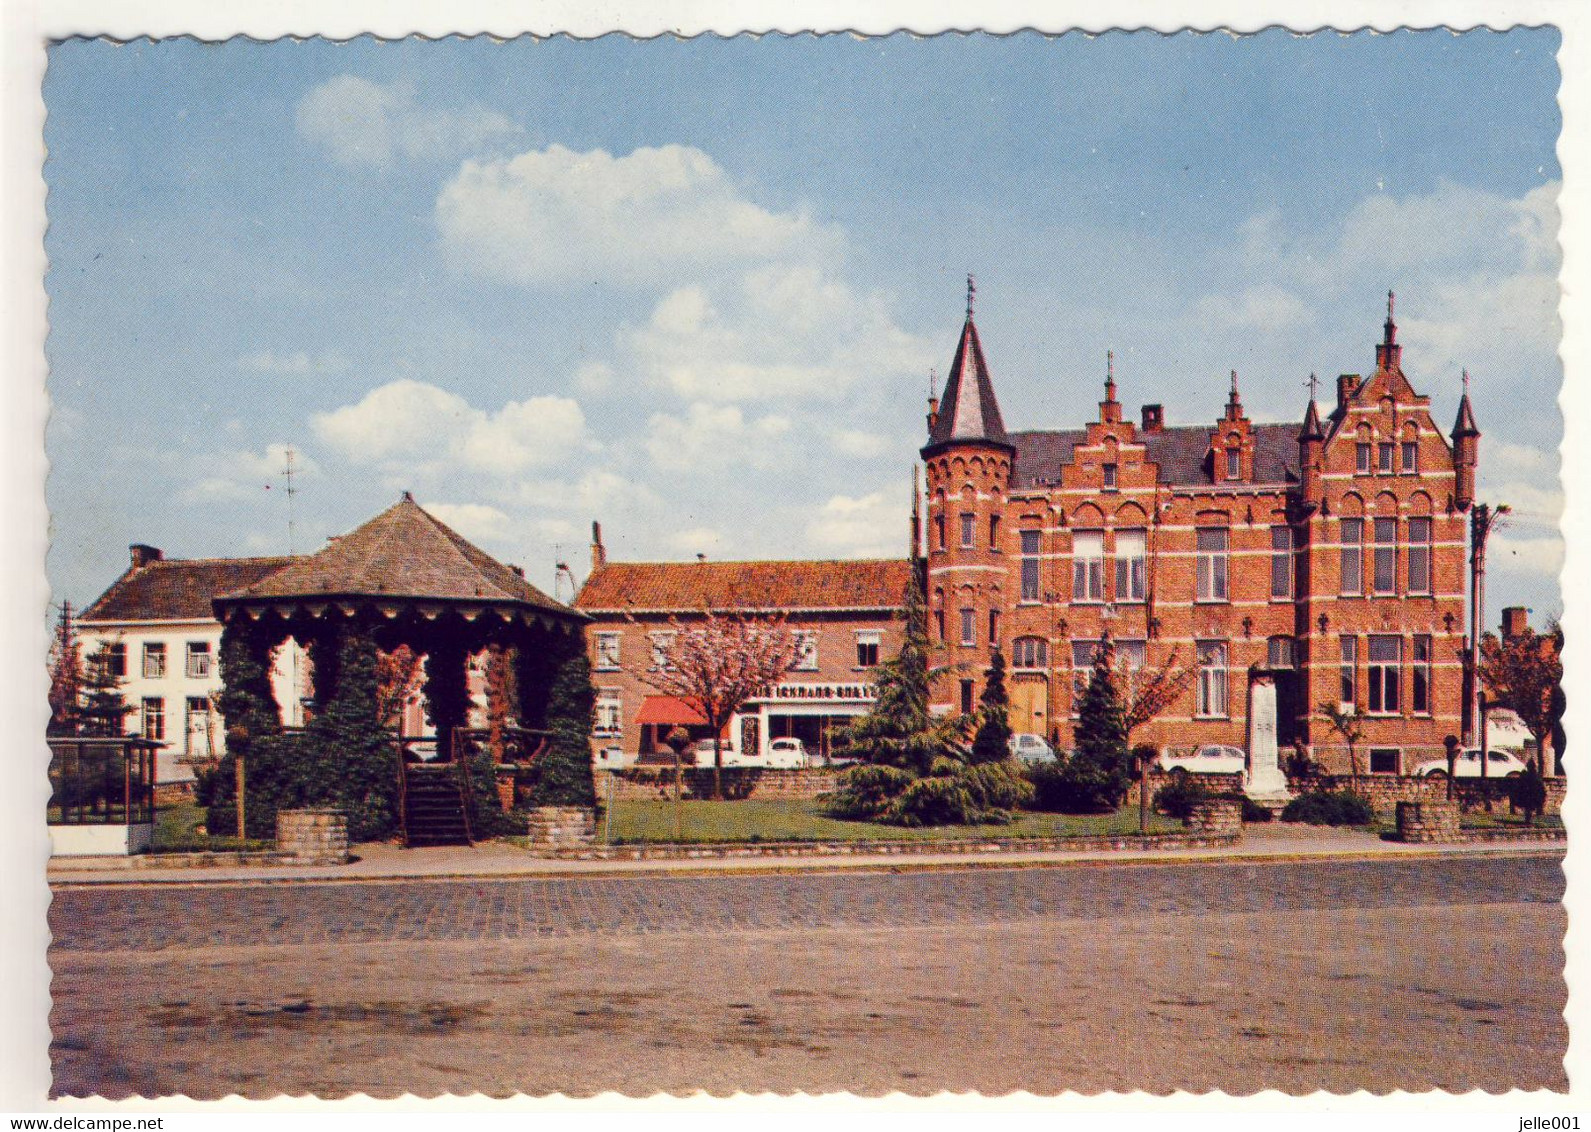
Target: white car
(1212, 758)
(788, 753)
(1031, 748)
(1499, 764)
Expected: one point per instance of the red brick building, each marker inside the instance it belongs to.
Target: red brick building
(1326, 554)
(845, 616)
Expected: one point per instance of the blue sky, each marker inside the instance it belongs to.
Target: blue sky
(694, 289)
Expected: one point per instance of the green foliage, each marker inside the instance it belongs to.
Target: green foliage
(1096, 776)
(866, 792)
(1178, 797)
(992, 743)
(899, 731)
(104, 710)
(344, 758)
(953, 793)
(1529, 791)
(487, 816)
(1253, 812)
(562, 776)
(1330, 807)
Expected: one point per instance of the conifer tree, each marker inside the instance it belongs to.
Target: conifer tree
(993, 739)
(899, 731)
(66, 676)
(563, 774)
(1097, 774)
(104, 710)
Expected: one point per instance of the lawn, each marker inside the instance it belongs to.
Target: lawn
(802, 820)
(1505, 820)
(177, 831)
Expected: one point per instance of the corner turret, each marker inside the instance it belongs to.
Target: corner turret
(1466, 451)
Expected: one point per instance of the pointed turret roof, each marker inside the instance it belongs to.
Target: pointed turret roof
(968, 410)
(403, 553)
(1465, 424)
(1312, 429)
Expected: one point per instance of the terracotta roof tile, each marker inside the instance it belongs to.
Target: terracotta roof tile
(178, 589)
(688, 586)
(404, 552)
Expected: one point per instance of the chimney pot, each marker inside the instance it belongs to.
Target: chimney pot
(1154, 418)
(143, 555)
(1515, 621)
(599, 553)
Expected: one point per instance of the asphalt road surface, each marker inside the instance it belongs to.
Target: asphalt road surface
(1413, 973)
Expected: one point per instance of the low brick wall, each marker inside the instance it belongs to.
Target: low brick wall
(1215, 783)
(644, 784)
(1428, 822)
(560, 827)
(173, 793)
(312, 837)
(1385, 791)
(1217, 817)
(980, 848)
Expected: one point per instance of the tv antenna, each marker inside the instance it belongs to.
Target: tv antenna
(287, 474)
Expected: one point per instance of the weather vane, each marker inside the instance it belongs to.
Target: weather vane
(972, 293)
(1466, 382)
(1313, 383)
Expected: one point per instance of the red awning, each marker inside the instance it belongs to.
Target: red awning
(670, 710)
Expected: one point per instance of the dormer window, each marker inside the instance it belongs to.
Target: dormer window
(1234, 464)
(1110, 476)
(1361, 463)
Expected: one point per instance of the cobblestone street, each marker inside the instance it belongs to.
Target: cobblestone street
(1292, 975)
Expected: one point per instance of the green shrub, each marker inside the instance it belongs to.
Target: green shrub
(1080, 785)
(1529, 792)
(1254, 812)
(1330, 807)
(1178, 797)
(866, 791)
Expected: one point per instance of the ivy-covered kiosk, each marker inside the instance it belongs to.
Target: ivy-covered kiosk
(402, 579)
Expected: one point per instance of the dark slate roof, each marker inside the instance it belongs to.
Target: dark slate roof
(178, 589)
(968, 410)
(694, 586)
(1179, 451)
(1465, 424)
(404, 552)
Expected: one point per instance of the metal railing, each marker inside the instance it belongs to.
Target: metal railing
(102, 781)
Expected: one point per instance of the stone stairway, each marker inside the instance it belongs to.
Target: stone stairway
(433, 809)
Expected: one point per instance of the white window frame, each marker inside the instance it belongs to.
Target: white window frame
(1213, 583)
(1386, 458)
(1348, 671)
(1131, 576)
(1351, 554)
(969, 626)
(1420, 675)
(609, 646)
(1409, 457)
(1363, 458)
(661, 641)
(1282, 563)
(1417, 560)
(1213, 688)
(154, 660)
(189, 714)
(1234, 463)
(1082, 668)
(1032, 575)
(873, 638)
(805, 655)
(608, 714)
(969, 530)
(1281, 652)
(1385, 556)
(152, 718)
(198, 661)
(1030, 654)
(1385, 694)
(1088, 567)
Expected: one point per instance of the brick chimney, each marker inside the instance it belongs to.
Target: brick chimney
(1515, 621)
(1154, 418)
(143, 555)
(599, 553)
(1346, 384)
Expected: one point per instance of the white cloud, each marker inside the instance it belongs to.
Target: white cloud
(551, 216)
(421, 425)
(241, 476)
(478, 522)
(855, 442)
(696, 540)
(872, 525)
(1540, 555)
(777, 331)
(711, 438)
(297, 363)
(1263, 308)
(362, 123)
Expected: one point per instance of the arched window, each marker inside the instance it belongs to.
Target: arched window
(1029, 652)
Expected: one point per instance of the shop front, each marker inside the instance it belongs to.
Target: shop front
(810, 712)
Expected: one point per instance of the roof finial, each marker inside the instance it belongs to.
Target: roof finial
(972, 293)
(408, 497)
(1466, 382)
(1312, 383)
(1234, 385)
(1110, 375)
(933, 382)
(1391, 298)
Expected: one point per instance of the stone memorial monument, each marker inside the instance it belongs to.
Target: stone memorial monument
(1264, 782)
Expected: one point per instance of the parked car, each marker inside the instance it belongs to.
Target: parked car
(1212, 758)
(1499, 764)
(1031, 748)
(788, 752)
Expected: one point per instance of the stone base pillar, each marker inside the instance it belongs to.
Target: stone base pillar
(312, 837)
(1218, 815)
(561, 827)
(1428, 822)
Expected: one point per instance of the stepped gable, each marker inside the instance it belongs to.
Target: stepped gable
(404, 552)
(1179, 451)
(178, 589)
(687, 587)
